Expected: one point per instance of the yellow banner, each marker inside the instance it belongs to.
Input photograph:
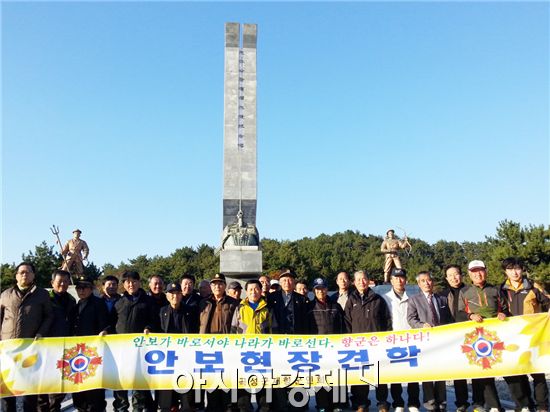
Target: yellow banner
(518, 345)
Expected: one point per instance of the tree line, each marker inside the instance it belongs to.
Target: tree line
(326, 255)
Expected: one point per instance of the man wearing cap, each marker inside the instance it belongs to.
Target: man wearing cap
(252, 317)
(454, 278)
(135, 314)
(25, 312)
(234, 290)
(89, 318)
(288, 308)
(173, 319)
(426, 310)
(325, 318)
(478, 301)
(366, 311)
(523, 298)
(390, 247)
(75, 252)
(397, 301)
(288, 311)
(216, 314)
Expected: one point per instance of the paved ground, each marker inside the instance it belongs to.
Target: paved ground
(503, 394)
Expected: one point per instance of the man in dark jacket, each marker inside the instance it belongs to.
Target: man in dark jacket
(522, 298)
(478, 301)
(25, 312)
(62, 305)
(325, 318)
(135, 314)
(215, 317)
(190, 301)
(173, 319)
(156, 291)
(426, 310)
(454, 278)
(366, 311)
(288, 308)
(110, 296)
(288, 311)
(89, 318)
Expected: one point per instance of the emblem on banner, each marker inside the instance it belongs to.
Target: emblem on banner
(483, 347)
(79, 363)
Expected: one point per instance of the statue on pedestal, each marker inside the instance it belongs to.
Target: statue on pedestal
(239, 234)
(390, 247)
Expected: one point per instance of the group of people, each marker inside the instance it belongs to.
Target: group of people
(28, 311)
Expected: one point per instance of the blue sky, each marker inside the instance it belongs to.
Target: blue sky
(428, 116)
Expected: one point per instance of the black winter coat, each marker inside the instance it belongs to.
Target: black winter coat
(134, 316)
(191, 305)
(166, 313)
(93, 318)
(277, 310)
(369, 314)
(325, 319)
(63, 305)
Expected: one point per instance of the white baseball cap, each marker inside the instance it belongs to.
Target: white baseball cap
(476, 264)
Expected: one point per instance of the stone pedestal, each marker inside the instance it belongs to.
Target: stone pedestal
(241, 262)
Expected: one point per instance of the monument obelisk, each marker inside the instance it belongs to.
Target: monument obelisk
(240, 252)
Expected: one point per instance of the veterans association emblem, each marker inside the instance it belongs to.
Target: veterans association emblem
(79, 363)
(483, 347)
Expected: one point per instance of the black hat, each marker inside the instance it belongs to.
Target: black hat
(218, 277)
(399, 272)
(84, 281)
(234, 285)
(173, 287)
(288, 272)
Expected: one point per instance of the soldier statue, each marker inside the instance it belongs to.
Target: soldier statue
(239, 234)
(390, 247)
(75, 253)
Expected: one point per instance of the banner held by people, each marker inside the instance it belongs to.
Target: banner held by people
(518, 345)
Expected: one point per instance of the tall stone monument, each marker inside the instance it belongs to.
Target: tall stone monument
(240, 252)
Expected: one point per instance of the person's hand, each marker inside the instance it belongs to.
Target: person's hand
(426, 325)
(501, 316)
(476, 318)
(146, 331)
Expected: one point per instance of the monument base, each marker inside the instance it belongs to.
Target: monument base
(243, 262)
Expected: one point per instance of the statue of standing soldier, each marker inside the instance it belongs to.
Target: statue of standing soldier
(390, 247)
(75, 252)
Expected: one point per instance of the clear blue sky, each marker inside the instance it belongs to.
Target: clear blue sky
(429, 116)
